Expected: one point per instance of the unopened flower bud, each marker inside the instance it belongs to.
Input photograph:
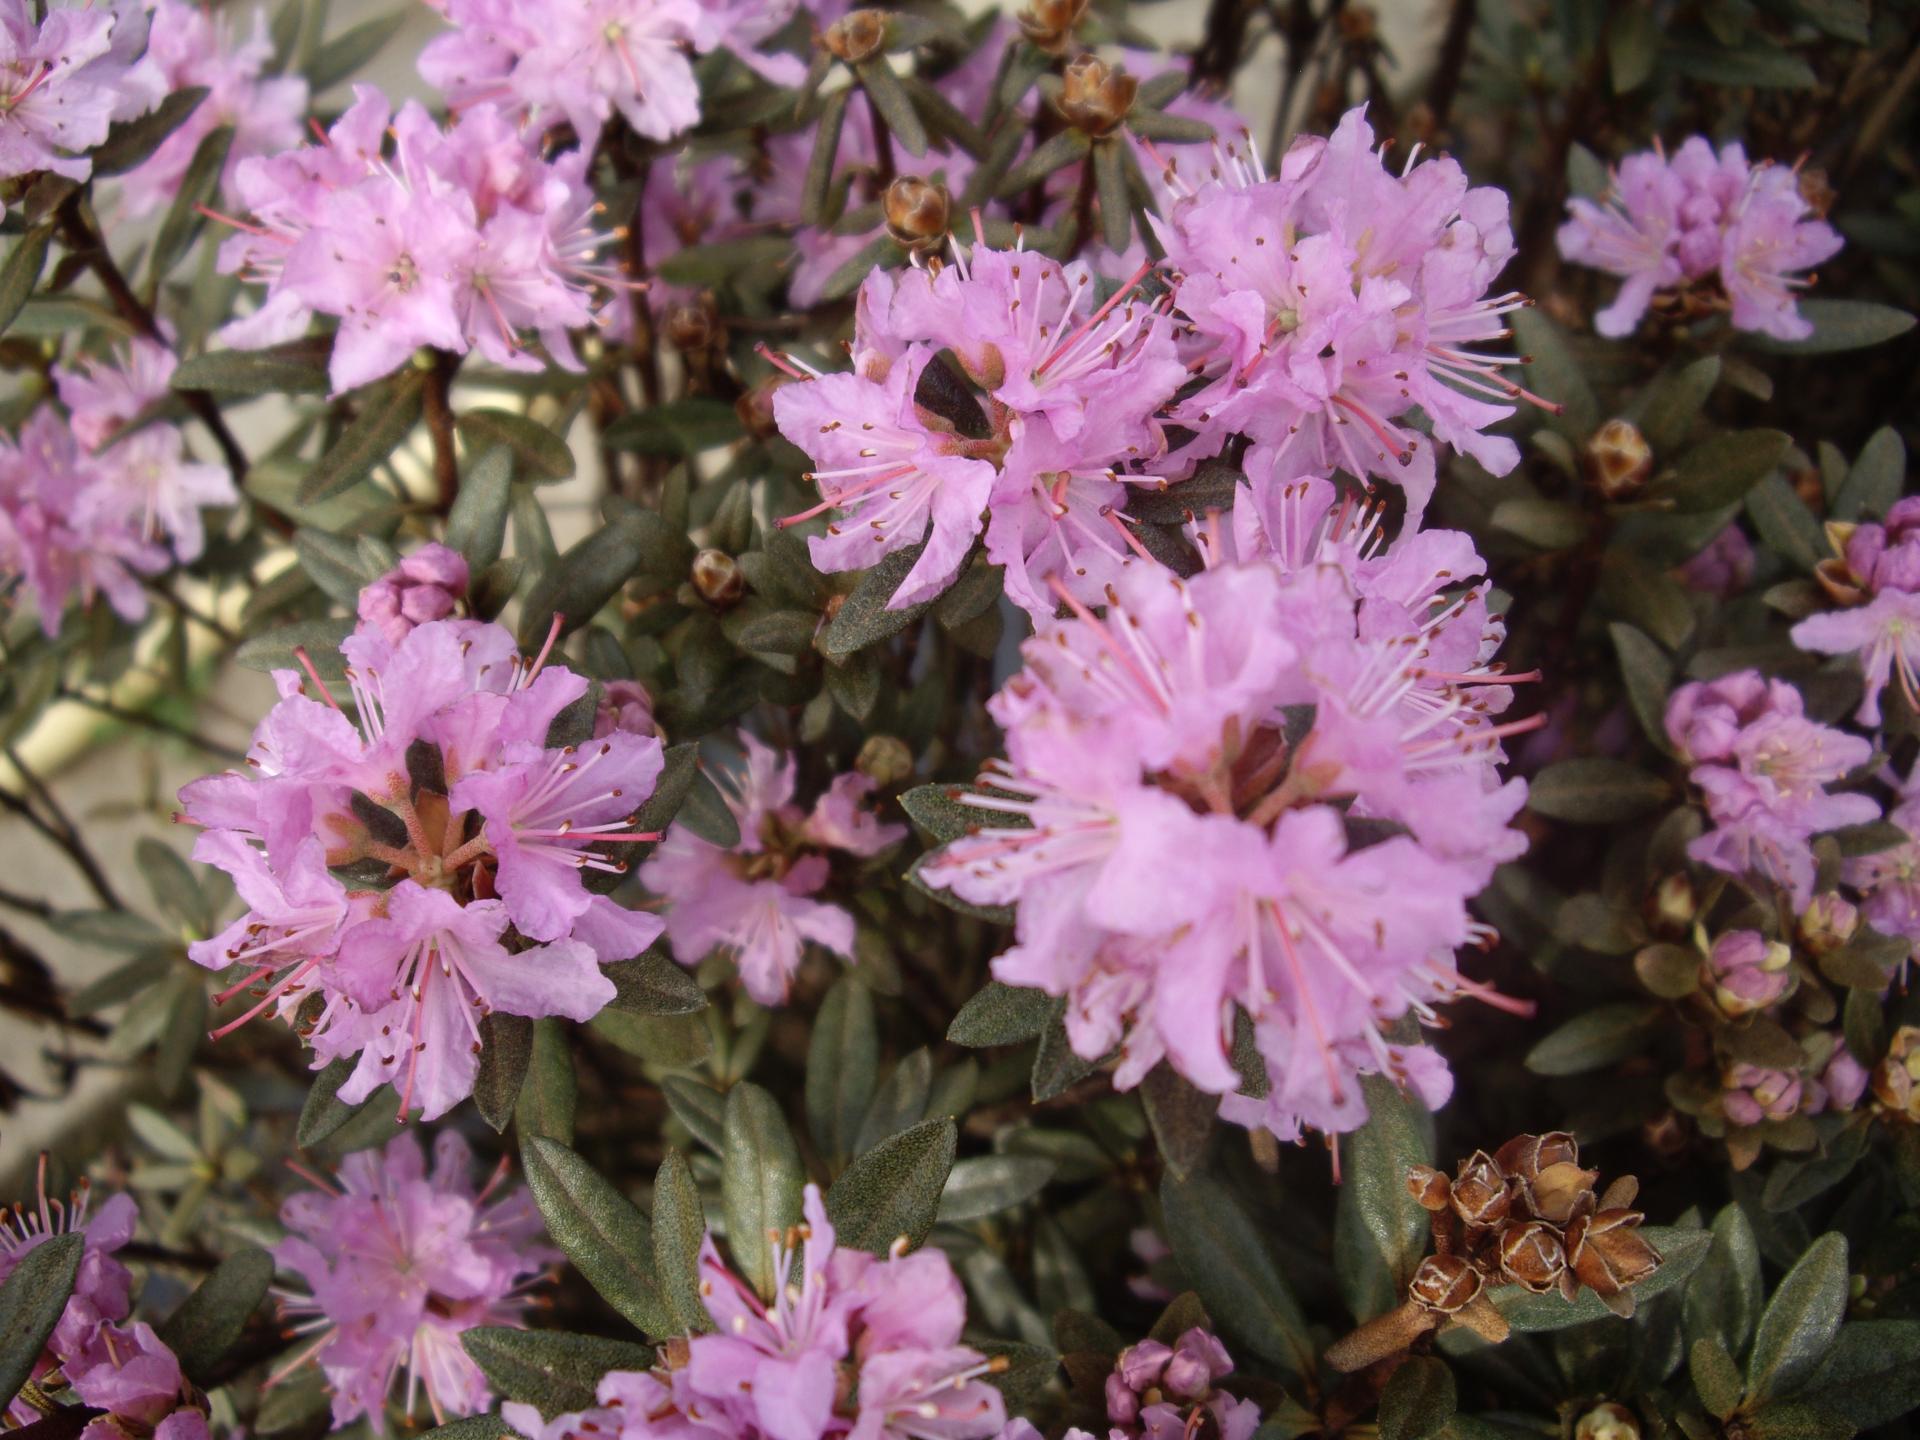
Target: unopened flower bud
(1829, 923)
(691, 327)
(1674, 903)
(1896, 1079)
(1608, 1422)
(1816, 190)
(716, 575)
(1608, 1253)
(1845, 1079)
(1123, 1406)
(1049, 24)
(885, 760)
(626, 706)
(1748, 972)
(1429, 1187)
(1445, 1283)
(1198, 1360)
(1619, 460)
(1480, 1196)
(755, 408)
(858, 35)
(1141, 1366)
(917, 212)
(1096, 97)
(1667, 1135)
(1754, 1094)
(1532, 1255)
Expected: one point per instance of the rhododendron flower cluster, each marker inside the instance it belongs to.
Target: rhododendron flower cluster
(66, 74)
(465, 238)
(1167, 1392)
(1668, 222)
(401, 1261)
(86, 510)
(421, 860)
(850, 1345)
(1325, 302)
(190, 46)
(1881, 566)
(754, 902)
(1309, 740)
(1764, 770)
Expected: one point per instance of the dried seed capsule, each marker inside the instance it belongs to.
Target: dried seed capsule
(1481, 1196)
(1608, 1252)
(1428, 1186)
(1096, 97)
(1555, 1194)
(856, 36)
(1445, 1283)
(1532, 1255)
(1049, 24)
(1619, 460)
(917, 212)
(716, 575)
(1525, 1156)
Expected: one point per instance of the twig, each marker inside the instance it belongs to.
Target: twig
(439, 407)
(155, 723)
(163, 587)
(26, 904)
(59, 828)
(1454, 47)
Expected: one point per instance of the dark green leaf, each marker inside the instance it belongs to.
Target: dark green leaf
(21, 271)
(1182, 1118)
(1544, 524)
(324, 1112)
(1593, 1040)
(1057, 1067)
(208, 1323)
(1555, 374)
(760, 1181)
(1226, 1260)
(985, 1185)
(550, 1369)
(539, 455)
(31, 1303)
(821, 159)
(1870, 1375)
(701, 1108)
(893, 1190)
(1419, 1399)
(608, 1240)
(685, 427)
(506, 1050)
(900, 1103)
(893, 105)
(843, 1061)
(349, 54)
(864, 618)
(1716, 1379)
(1673, 403)
(130, 142)
(1633, 44)
(1800, 1321)
(1785, 524)
(333, 564)
(652, 984)
(197, 187)
(388, 413)
(941, 811)
(1720, 471)
(1001, 1015)
(1596, 790)
(1760, 64)
(679, 1226)
(548, 1093)
(298, 367)
(1648, 674)
(1875, 480)
(1064, 149)
(275, 649)
(477, 523)
(1840, 325)
(1110, 178)
(579, 582)
(1380, 1230)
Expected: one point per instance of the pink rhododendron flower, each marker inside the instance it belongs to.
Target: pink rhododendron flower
(191, 46)
(427, 584)
(472, 835)
(1885, 631)
(1764, 769)
(465, 238)
(1703, 213)
(1327, 301)
(1210, 728)
(755, 901)
(1889, 880)
(1161, 1392)
(131, 1374)
(64, 80)
(401, 1261)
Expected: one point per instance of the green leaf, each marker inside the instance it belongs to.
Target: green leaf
(1226, 1260)
(1681, 1253)
(130, 142)
(1785, 524)
(1380, 1232)
(1596, 790)
(883, 250)
(1670, 971)
(298, 367)
(900, 1103)
(183, 219)
(864, 618)
(652, 984)
(1840, 325)
(209, 1322)
(941, 811)
(1875, 479)
(1069, 147)
(539, 455)
(1648, 674)
(699, 1107)
(708, 816)
(843, 1062)
(1110, 179)
(332, 562)
(473, 1427)
(1544, 524)
(1800, 1321)
(1633, 44)
(682, 428)
(348, 54)
(822, 157)
(585, 578)
(894, 1189)
(1760, 65)
(387, 415)
(760, 1181)
(608, 1240)
(110, 929)
(550, 1369)
(1870, 1375)
(1182, 1118)
(547, 1095)
(506, 1051)
(1596, 1039)
(1716, 1379)
(1001, 1015)
(477, 523)
(324, 1112)
(320, 639)
(1674, 401)
(893, 104)
(679, 1227)
(1057, 1067)
(984, 1185)
(1721, 470)
(31, 1303)
(1418, 1400)
(1555, 374)
(21, 272)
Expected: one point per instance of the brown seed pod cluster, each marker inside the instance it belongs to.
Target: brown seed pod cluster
(1526, 1215)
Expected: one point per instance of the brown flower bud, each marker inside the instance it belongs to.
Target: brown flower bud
(1358, 24)
(755, 408)
(716, 575)
(1674, 904)
(1896, 1079)
(1096, 97)
(1532, 1255)
(1609, 1254)
(885, 760)
(1049, 24)
(1608, 1422)
(1556, 1193)
(1445, 1283)
(917, 212)
(1481, 1196)
(1836, 577)
(1816, 191)
(856, 36)
(1428, 1186)
(1619, 460)
(1525, 1156)
(1666, 1135)
(692, 327)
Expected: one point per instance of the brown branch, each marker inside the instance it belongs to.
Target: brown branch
(1454, 48)
(439, 408)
